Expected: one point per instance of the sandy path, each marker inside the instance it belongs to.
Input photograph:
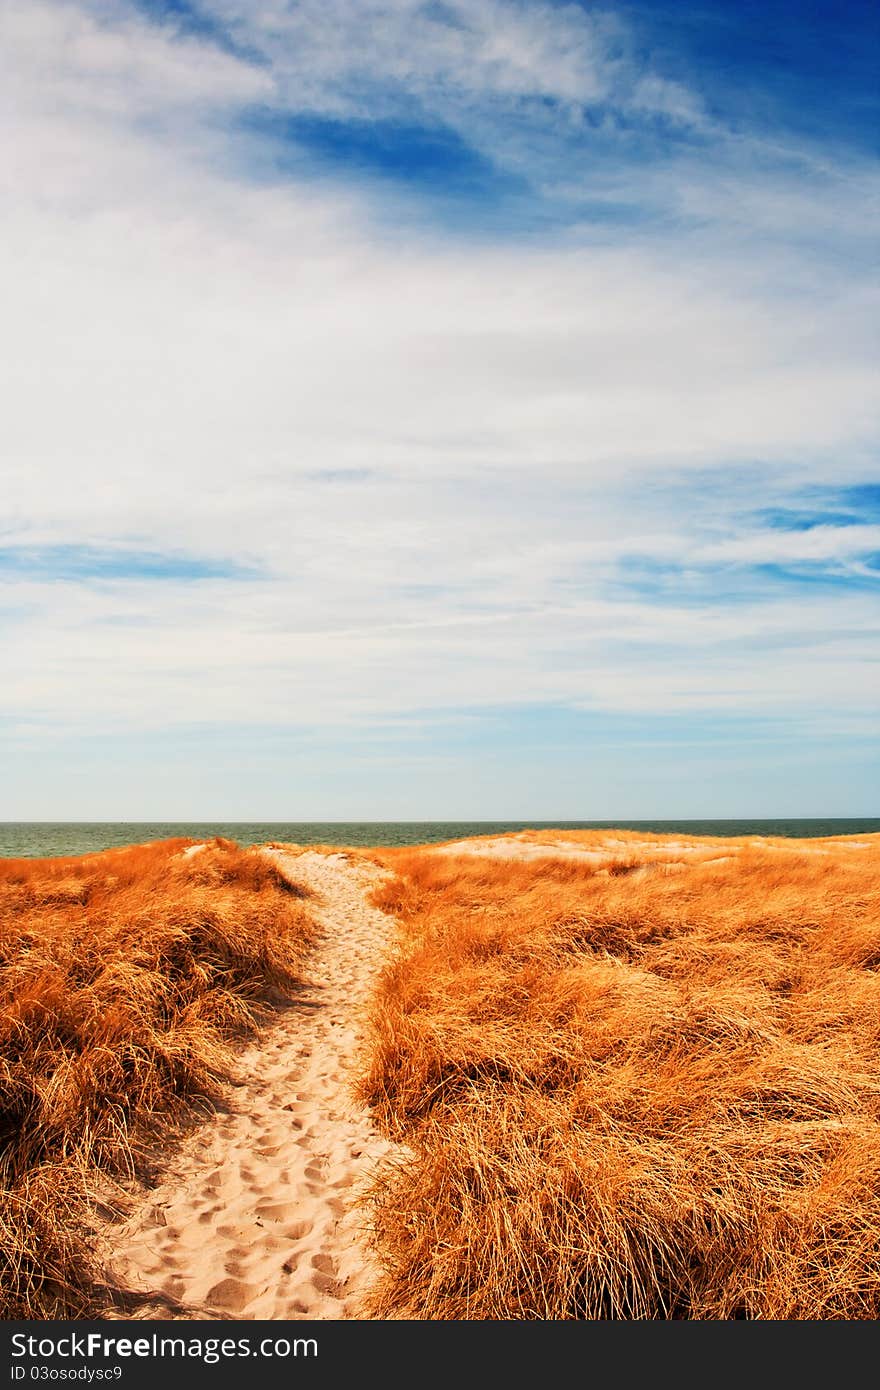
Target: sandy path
(254, 1218)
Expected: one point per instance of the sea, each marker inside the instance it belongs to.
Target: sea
(49, 839)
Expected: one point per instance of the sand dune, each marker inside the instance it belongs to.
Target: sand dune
(513, 983)
(644, 1088)
(256, 1216)
(598, 847)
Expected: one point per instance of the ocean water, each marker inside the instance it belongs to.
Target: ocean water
(44, 839)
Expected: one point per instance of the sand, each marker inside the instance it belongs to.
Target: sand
(256, 1216)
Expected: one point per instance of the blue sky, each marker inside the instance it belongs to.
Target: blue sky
(437, 410)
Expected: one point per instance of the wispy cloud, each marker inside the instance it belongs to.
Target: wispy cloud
(72, 562)
(523, 371)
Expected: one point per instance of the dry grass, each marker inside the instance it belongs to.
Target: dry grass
(643, 1084)
(124, 977)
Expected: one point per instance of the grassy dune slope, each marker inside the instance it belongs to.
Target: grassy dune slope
(123, 976)
(645, 1084)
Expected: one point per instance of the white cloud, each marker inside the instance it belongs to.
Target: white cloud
(321, 49)
(819, 543)
(60, 60)
(188, 353)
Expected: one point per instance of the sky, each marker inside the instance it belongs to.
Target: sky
(435, 409)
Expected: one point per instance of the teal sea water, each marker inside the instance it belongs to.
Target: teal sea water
(38, 839)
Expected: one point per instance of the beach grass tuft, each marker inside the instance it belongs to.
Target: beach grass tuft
(640, 1084)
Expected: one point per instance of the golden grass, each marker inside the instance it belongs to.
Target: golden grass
(123, 978)
(645, 1085)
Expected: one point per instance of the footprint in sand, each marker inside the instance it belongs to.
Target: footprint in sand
(231, 1295)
